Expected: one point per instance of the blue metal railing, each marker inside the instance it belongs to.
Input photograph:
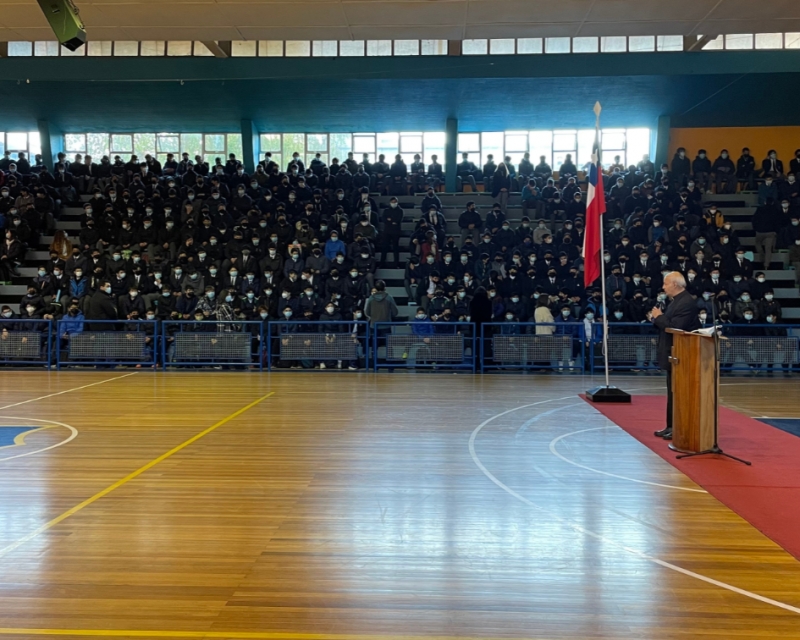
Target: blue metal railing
(107, 342)
(317, 344)
(528, 345)
(212, 343)
(424, 345)
(27, 342)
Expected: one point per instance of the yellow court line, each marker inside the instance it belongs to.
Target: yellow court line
(237, 635)
(70, 512)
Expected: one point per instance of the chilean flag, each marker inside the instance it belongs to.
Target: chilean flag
(595, 208)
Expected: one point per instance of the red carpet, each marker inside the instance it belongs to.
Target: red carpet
(766, 494)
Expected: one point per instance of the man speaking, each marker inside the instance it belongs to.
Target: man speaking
(681, 314)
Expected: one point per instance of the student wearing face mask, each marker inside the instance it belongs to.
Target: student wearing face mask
(744, 305)
(102, 306)
(701, 171)
(746, 170)
(724, 173)
(769, 306)
(789, 190)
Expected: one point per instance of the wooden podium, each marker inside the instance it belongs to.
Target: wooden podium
(694, 397)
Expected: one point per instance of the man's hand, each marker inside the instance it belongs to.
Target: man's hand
(655, 312)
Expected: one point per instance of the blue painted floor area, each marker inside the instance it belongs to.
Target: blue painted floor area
(7, 434)
(789, 425)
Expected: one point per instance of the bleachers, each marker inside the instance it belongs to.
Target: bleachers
(738, 208)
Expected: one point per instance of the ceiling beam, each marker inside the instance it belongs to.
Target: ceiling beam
(221, 49)
(695, 43)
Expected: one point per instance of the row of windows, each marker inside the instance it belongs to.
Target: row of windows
(554, 145)
(335, 48)
(629, 144)
(337, 145)
(15, 141)
(207, 145)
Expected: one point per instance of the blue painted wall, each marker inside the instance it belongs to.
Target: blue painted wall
(379, 94)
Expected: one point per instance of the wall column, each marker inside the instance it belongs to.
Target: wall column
(251, 146)
(52, 140)
(450, 154)
(660, 143)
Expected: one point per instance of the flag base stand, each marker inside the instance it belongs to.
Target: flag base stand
(608, 394)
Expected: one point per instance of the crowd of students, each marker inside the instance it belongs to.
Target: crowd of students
(185, 241)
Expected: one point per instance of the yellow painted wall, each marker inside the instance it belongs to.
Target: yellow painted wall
(785, 140)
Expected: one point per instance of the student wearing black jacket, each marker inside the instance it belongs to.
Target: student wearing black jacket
(724, 173)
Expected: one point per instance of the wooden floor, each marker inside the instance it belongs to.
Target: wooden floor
(328, 506)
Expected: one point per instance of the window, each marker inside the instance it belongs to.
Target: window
(530, 45)
(351, 48)
(214, 143)
(615, 44)
(504, 46)
(585, 45)
(99, 47)
(469, 142)
(669, 43)
(557, 45)
(168, 143)
(769, 41)
(45, 48)
(434, 47)
(379, 47)
(564, 142)
(126, 48)
(153, 48)
(474, 47)
(298, 48)
(271, 142)
(179, 48)
(516, 145)
(16, 142)
(325, 48)
(97, 144)
(638, 44)
(791, 41)
(716, 44)
(234, 141)
(121, 143)
(270, 48)
(554, 145)
(202, 50)
(144, 144)
(20, 142)
(293, 143)
(739, 41)
(364, 143)
(406, 47)
(74, 143)
(244, 48)
(79, 52)
(20, 49)
(192, 143)
(340, 145)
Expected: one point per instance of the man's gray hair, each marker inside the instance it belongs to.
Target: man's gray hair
(677, 279)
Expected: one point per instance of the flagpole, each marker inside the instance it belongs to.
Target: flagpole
(601, 184)
(606, 393)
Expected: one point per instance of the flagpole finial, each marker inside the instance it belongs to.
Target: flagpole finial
(597, 109)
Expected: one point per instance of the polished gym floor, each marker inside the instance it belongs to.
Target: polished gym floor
(331, 505)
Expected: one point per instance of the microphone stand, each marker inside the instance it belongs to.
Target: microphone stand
(715, 448)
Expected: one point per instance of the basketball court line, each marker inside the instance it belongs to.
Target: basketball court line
(60, 393)
(73, 435)
(600, 537)
(555, 452)
(116, 485)
(238, 635)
